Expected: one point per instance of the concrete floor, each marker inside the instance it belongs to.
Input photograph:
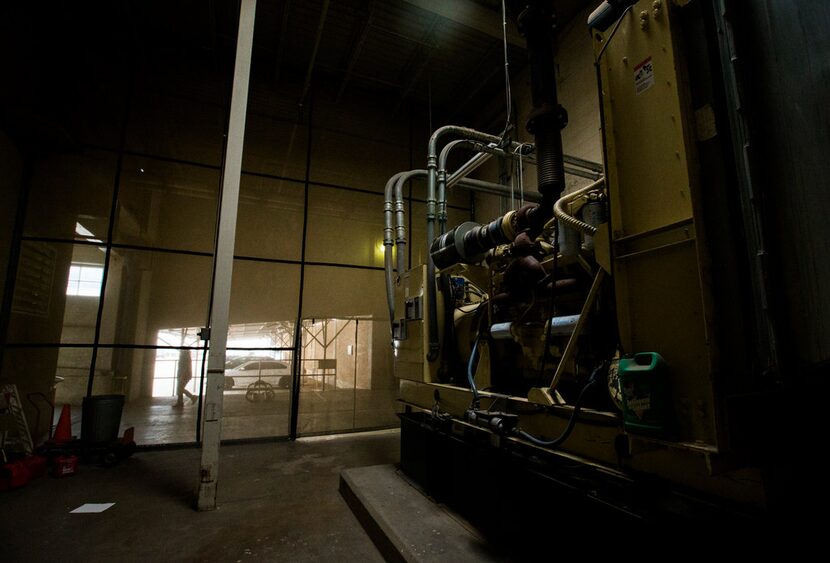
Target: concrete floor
(277, 502)
(156, 422)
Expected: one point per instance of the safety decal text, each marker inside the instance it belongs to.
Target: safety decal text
(644, 76)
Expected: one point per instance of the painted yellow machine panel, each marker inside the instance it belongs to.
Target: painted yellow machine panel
(412, 308)
(651, 160)
(646, 142)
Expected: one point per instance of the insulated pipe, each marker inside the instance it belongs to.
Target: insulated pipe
(400, 179)
(442, 169)
(432, 173)
(442, 178)
(582, 163)
(432, 166)
(393, 207)
(491, 188)
(467, 183)
(569, 220)
(581, 168)
(400, 224)
(468, 168)
(390, 283)
(588, 174)
(388, 213)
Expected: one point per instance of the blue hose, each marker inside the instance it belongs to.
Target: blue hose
(592, 380)
(470, 373)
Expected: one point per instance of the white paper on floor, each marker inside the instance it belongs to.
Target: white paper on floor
(91, 508)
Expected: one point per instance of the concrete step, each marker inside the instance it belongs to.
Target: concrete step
(405, 524)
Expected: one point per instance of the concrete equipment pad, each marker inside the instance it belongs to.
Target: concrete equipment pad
(404, 523)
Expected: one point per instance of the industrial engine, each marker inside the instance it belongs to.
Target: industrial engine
(621, 324)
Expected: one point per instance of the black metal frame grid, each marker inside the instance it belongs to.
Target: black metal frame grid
(19, 237)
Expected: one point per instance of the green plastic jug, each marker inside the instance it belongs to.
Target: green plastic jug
(646, 394)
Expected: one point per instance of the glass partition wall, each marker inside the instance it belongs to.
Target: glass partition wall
(115, 273)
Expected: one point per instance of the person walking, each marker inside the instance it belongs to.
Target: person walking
(184, 373)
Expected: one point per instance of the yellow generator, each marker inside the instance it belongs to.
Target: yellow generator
(631, 349)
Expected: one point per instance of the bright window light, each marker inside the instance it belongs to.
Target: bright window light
(85, 280)
(83, 231)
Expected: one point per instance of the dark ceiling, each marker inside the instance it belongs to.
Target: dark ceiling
(443, 55)
(447, 55)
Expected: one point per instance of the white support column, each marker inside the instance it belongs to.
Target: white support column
(223, 261)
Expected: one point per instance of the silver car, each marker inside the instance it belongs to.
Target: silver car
(273, 372)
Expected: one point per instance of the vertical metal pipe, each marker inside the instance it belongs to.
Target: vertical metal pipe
(442, 182)
(223, 260)
(389, 214)
(400, 228)
(432, 173)
(537, 23)
(393, 199)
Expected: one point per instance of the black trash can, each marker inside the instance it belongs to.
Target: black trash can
(101, 418)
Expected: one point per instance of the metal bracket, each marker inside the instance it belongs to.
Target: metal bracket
(586, 309)
(544, 396)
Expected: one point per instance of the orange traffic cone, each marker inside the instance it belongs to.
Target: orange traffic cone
(63, 431)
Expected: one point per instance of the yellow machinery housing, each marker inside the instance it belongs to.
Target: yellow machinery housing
(662, 271)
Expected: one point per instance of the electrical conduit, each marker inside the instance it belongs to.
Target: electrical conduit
(432, 176)
(568, 219)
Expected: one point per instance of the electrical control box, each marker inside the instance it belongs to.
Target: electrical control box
(410, 328)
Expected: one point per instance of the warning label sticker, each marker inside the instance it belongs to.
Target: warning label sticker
(643, 76)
